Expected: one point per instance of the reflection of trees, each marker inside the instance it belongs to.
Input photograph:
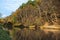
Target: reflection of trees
(35, 35)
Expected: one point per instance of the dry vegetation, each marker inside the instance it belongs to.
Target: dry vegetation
(36, 13)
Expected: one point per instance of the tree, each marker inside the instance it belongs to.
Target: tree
(32, 2)
(22, 6)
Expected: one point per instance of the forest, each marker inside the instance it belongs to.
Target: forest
(27, 22)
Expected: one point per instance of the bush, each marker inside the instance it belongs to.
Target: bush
(8, 25)
(4, 35)
(1, 26)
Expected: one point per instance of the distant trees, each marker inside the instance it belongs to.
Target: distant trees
(23, 5)
(32, 2)
(29, 2)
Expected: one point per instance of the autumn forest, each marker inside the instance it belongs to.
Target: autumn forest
(34, 20)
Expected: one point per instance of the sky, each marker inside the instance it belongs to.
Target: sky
(9, 6)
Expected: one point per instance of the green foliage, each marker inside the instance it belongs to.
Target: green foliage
(23, 5)
(1, 26)
(31, 2)
(4, 35)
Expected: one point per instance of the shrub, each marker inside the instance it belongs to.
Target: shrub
(4, 35)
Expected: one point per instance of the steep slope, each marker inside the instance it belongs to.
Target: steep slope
(38, 13)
